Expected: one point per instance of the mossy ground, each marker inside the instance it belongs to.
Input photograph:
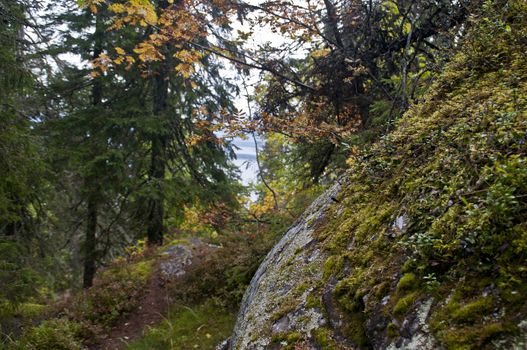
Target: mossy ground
(54, 334)
(76, 323)
(116, 292)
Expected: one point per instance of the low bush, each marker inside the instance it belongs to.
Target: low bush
(225, 274)
(55, 334)
(116, 292)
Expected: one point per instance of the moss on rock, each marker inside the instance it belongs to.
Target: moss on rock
(403, 304)
(407, 283)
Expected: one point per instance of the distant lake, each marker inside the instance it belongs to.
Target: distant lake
(246, 159)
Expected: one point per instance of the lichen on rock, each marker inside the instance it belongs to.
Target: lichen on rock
(271, 306)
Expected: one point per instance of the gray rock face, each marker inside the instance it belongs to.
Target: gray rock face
(275, 301)
(416, 333)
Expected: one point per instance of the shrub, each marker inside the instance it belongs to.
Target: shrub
(56, 334)
(224, 274)
(116, 292)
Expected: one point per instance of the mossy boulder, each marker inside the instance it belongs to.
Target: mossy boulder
(275, 302)
(426, 245)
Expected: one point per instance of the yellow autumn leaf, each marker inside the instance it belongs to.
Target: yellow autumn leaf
(117, 8)
(193, 140)
(147, 52)
(185, 69)
(151, 16)
(320, 53)
(119, 51)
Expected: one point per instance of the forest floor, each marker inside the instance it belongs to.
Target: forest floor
(156, 303)
(149, 312)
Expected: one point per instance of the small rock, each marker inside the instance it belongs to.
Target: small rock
(400, 222)
(281, 325)
(224, 345)
(179, 257)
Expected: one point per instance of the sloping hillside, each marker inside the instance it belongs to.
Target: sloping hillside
(424, 245)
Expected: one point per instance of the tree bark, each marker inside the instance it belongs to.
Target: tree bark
(155, 227)
(156, 214)
(92, 188)
(90, 243)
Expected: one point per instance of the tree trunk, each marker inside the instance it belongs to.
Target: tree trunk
(90, 241)
(156, 174)
(158, 161)
(156, 213)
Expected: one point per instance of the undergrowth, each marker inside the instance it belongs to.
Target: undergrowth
(211, 290)
(201, 326)
(77, 322)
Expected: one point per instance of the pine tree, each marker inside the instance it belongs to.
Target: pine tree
(19, 160)
(124, 133)
(86, 134)
(181, 173)
(22, 169)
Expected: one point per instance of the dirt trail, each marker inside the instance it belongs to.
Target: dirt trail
(150, 312)
(156, 302)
